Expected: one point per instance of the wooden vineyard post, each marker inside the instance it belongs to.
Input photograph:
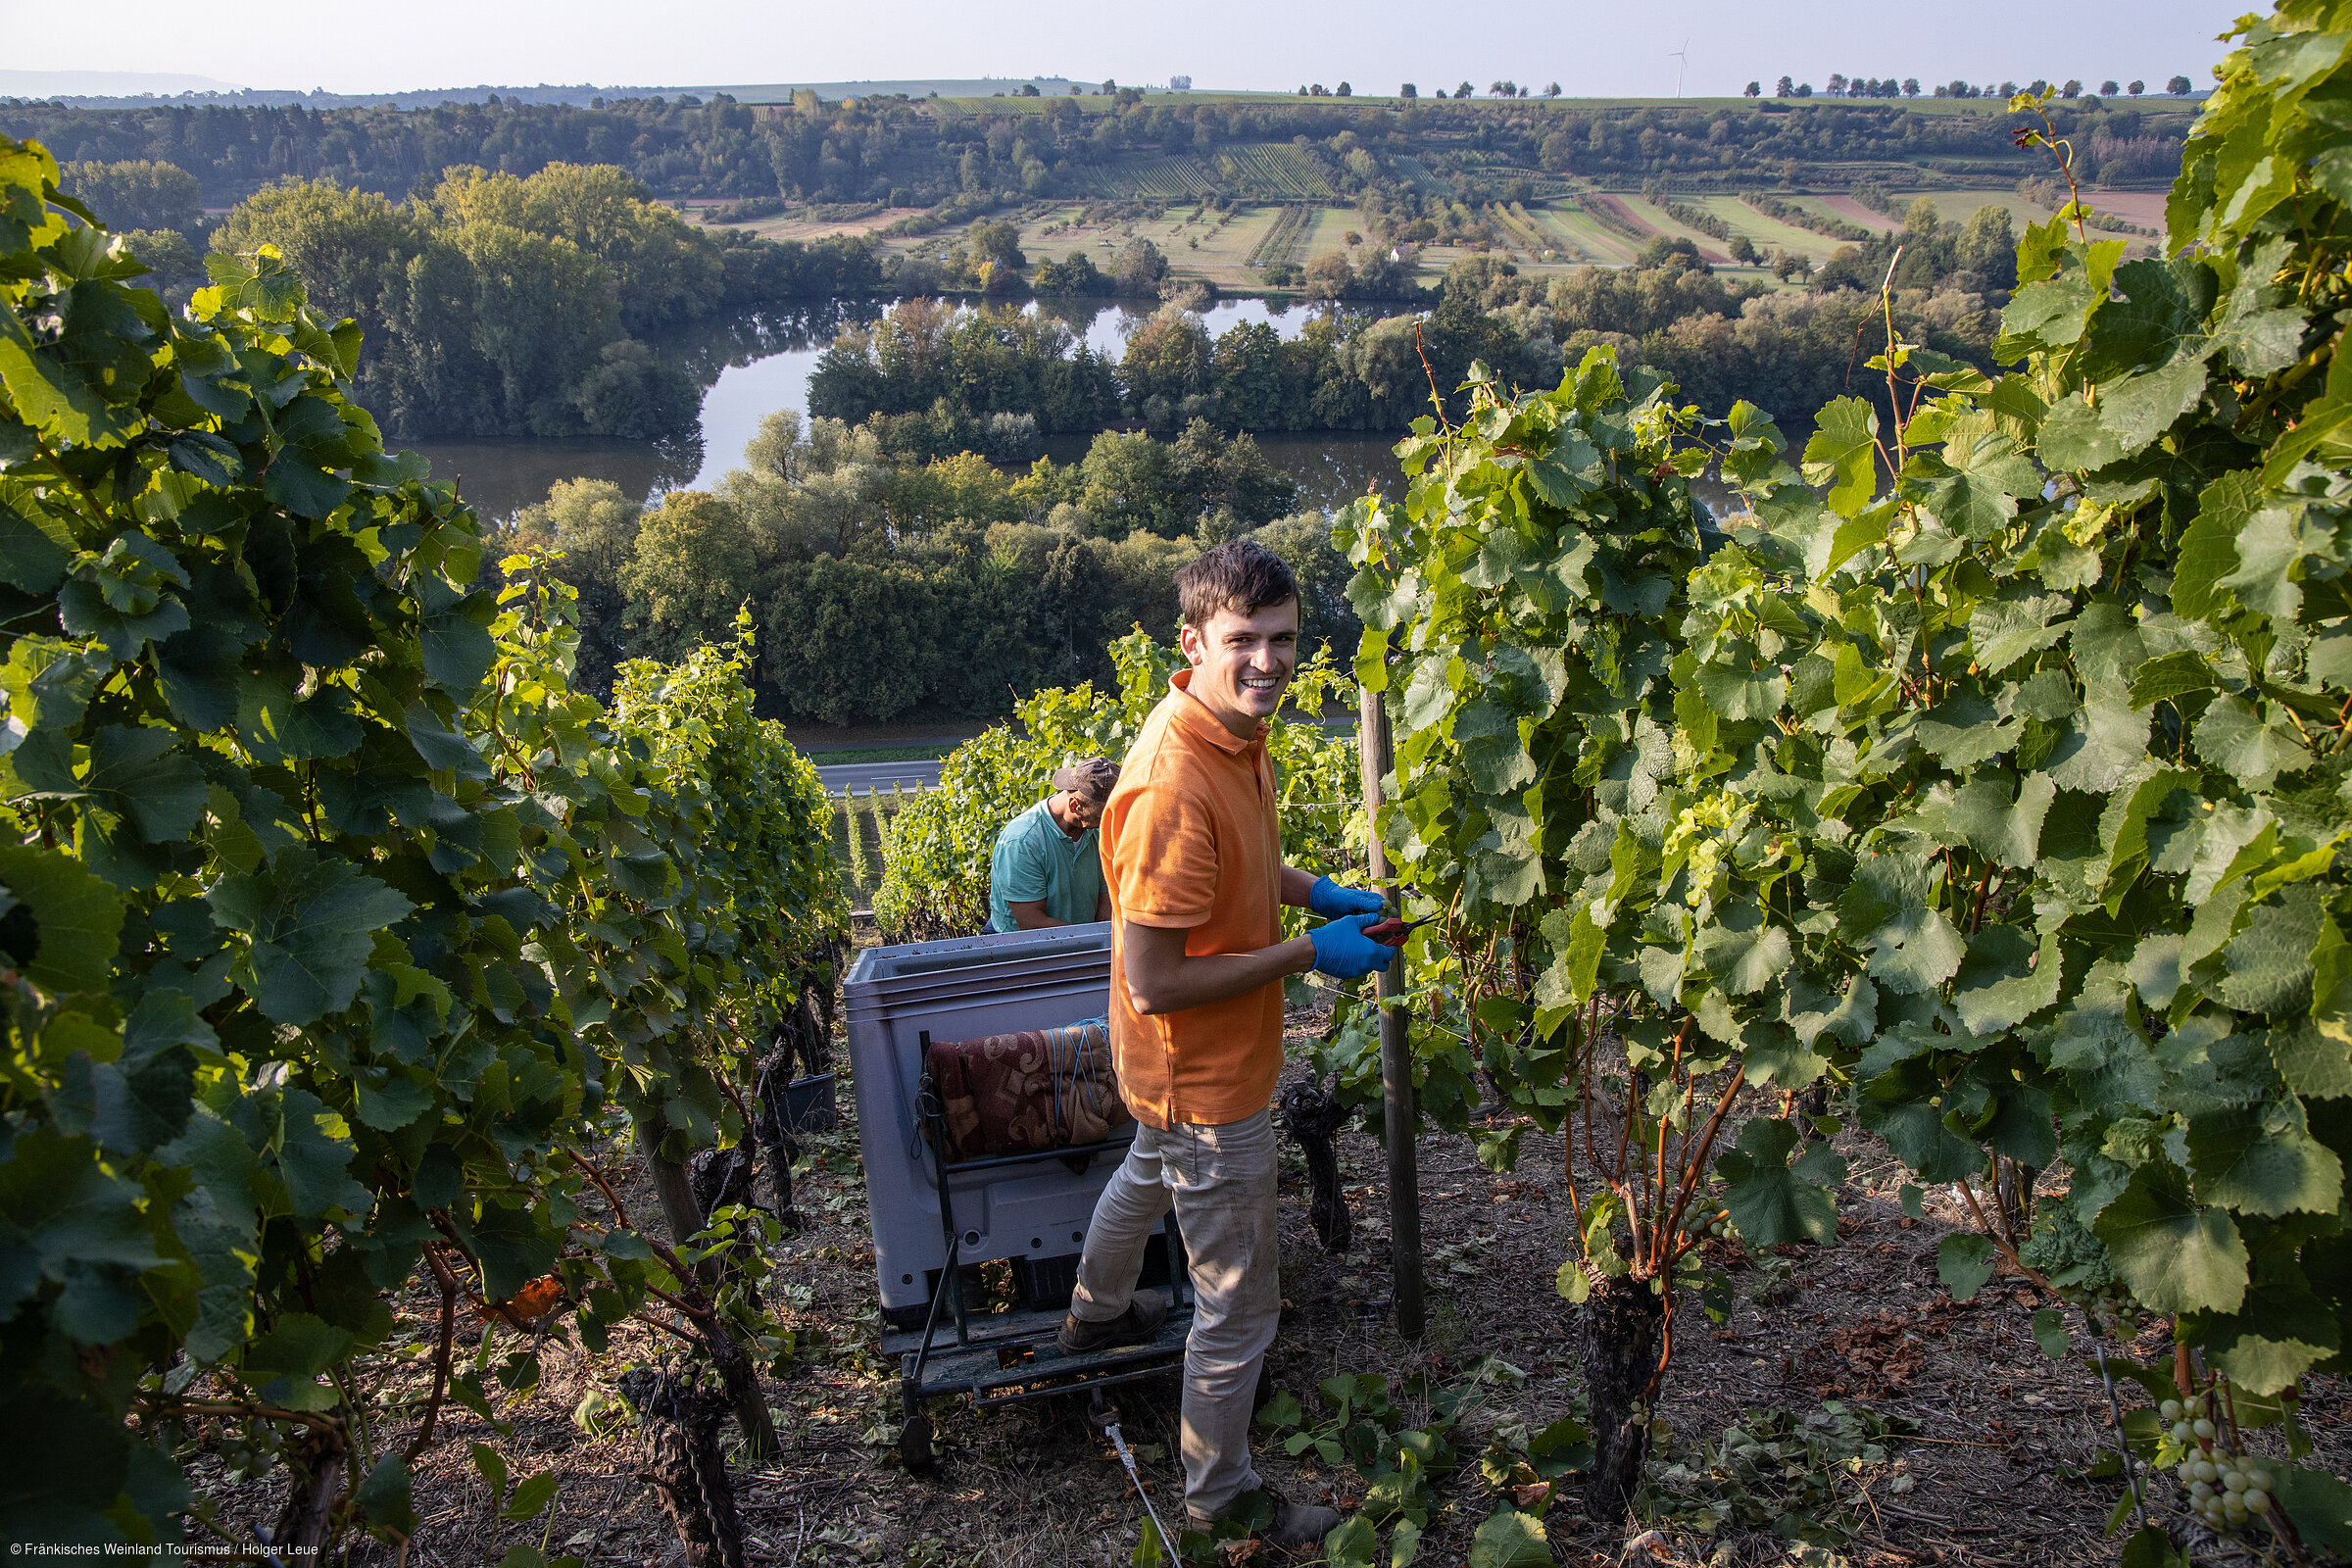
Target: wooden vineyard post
(1396, 1056)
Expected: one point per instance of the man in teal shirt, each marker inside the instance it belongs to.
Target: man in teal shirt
(1046, 868)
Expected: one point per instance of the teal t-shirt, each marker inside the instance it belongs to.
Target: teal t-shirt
(1035, 860)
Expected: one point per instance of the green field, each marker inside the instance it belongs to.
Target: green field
(1657, 217)
(1768, 232)
(1330, 231)
(1581, 237)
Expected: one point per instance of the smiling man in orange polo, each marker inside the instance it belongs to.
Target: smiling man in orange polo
(1192, 852)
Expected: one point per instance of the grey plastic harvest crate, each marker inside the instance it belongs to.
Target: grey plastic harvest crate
(960, 988)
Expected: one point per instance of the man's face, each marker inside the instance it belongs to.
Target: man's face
(1242, 664)
(1085, 814)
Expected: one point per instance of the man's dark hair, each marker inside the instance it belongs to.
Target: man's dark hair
(1240, 575)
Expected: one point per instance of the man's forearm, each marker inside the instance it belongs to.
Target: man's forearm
(1296, 886)
(1161, 977)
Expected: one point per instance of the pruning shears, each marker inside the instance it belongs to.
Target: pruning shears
(1392, 931)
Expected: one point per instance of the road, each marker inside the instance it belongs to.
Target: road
(864, 776)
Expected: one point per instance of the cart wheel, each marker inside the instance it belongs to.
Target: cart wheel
(915, 1443)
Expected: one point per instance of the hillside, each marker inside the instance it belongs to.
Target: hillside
(903, 151)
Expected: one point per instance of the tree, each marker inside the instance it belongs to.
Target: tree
(1464, 90)
(2136, 89)
(1836, 84)
(1784, 88)
(1910, 86)
(692, 568)
(1329, 277)
(1343, 90)
(999, 242)
(168, 252)
(2179, 86)
(2072, 90)
(2108, 89)
(1179, 84)
(1408, 90)
(1551, 89)
(1141, 267)
(138, 193)
(1988, 247)
(1109, 87)
(1743, 250)
(1751, 90)
(1804, 89)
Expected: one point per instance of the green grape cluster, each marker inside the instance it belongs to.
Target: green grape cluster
(2226, 1488)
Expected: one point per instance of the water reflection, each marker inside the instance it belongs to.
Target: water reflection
(752, 365)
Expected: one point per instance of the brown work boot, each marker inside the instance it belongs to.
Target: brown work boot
(1145, 1311)
(1296, 1524)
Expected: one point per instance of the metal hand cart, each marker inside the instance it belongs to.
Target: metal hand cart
(1016, 1208)
(1006, 1358)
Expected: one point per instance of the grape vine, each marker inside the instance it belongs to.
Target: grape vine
(1992, 774)
(338, 925)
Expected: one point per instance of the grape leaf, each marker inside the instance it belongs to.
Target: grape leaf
(1508, 1539)
(1996, 817)
(2318, 1504)
(312, 921)
(2269, 968)
(2176, 1255)
(2008, 627)
(1842, 454)
(1743, 953)
(1913, 947)
(76, 917)
(65, 1218)
(1771, 1201)
(2280, 1332)
(2262, 1159)
(1964, 1261)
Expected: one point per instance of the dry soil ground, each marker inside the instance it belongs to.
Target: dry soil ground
(1995, 1427)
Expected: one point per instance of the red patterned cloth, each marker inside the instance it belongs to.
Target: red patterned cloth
(1039, 1089)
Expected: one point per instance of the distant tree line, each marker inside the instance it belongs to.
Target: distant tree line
(884, 150)
(887, 588)
(1844, 86)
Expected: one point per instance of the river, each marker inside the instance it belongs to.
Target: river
(754, 365)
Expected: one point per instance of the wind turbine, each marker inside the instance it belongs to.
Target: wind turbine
(1684, 55)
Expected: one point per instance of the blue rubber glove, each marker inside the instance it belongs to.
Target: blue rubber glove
(1331, 901)
(1342, 950)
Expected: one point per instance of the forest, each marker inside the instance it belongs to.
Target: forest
(506, 305)
(884, 586)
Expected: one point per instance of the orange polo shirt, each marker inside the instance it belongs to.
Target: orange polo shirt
(1191, 840)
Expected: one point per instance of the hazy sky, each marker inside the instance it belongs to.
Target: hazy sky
(1612, 48)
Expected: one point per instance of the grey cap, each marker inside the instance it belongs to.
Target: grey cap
(1092, 778)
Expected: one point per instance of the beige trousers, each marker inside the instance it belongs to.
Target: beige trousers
(1220, 1181)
